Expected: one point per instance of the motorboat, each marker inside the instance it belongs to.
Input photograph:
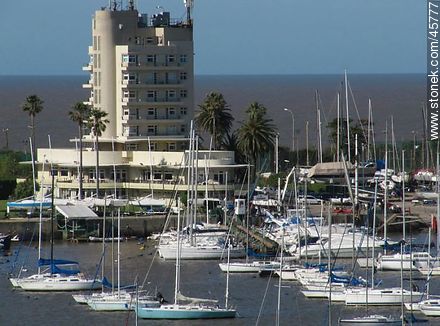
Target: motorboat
(385, 296)
(394, 262)
(372, 320)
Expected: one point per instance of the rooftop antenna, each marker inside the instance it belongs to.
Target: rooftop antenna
(131, 5)
(189, 4)
(113, 5)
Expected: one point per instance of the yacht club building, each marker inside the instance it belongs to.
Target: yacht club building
(142, 74)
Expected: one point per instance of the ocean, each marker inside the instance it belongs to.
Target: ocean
(400, 96)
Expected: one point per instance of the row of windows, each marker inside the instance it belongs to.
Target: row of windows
(170, 94)
(154, 58)
(151, 130)
(153, 77)
(153, 111)
(153, 146)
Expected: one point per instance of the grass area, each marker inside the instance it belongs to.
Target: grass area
(2, 208)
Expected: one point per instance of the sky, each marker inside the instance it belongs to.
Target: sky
(232, 37)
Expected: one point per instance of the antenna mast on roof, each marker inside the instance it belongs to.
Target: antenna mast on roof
(189, 4)
(131, 5)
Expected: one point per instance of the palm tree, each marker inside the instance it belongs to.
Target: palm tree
(80, 114)
(230, 143)
(256, 135)
(97, 124)
(33, 106)
(214, 117)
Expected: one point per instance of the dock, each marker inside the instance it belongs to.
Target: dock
(257, 242)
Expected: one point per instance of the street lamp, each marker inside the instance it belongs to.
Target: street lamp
(293, 127)
(6, 130)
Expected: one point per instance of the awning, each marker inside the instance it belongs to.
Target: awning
(75, 211)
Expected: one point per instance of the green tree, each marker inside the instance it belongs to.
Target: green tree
(97, 123)
(355, 129)
(256, 135)
(80, 114)
(214, 117)
(24, 189)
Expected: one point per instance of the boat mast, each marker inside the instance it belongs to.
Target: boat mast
(318, 126)
(248, 206)
(307, 144)
(206, 189)
(41, 218)
(196, 177)
(51, 219)
(369, 129)
(226, 198)
(151, 167)
(227, 274)
(438, 202)
(403, 197)
(329, 264)
(385, 208)
(348, 116)
(177, 284)
(119, 252)
(103, 243)
(374, 234)
(280, 280)
(337, 127)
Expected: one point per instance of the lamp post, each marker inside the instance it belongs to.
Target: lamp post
(6, 130)
(293, 127)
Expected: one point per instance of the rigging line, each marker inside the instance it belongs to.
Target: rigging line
(357, 111)
(21, 245)
(265, 293)
(165, 224)
(230, 226)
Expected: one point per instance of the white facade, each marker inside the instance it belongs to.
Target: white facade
(142, 75)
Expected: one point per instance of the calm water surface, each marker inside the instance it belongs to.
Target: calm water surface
(201, 279)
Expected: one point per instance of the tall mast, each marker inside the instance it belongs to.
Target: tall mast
(385, 208)
(318, 127)
(369, 130)
(338, 127)
(374, 233)
(348, 116)
(403, 195)
(307, 144)
(119, 252)
(40, 225)
(177, 284)
(438, 203)
(51, 219)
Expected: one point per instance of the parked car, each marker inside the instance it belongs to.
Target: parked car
(311, 200)
(340, 200)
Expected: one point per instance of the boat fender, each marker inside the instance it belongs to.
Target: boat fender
(434, 223)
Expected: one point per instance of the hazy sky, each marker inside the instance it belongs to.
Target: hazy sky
(50, 37)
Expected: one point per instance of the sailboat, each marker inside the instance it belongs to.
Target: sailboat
(54, 278)
(370, 319)
(196, 309)
(121, 299)
(204, 245)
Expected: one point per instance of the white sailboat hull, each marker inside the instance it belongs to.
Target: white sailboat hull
(58, 283)
(122, 304)
(392, 296)
(185, 312)
(252, 267)
(202, 252)
(371, 321)
(397, 261)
